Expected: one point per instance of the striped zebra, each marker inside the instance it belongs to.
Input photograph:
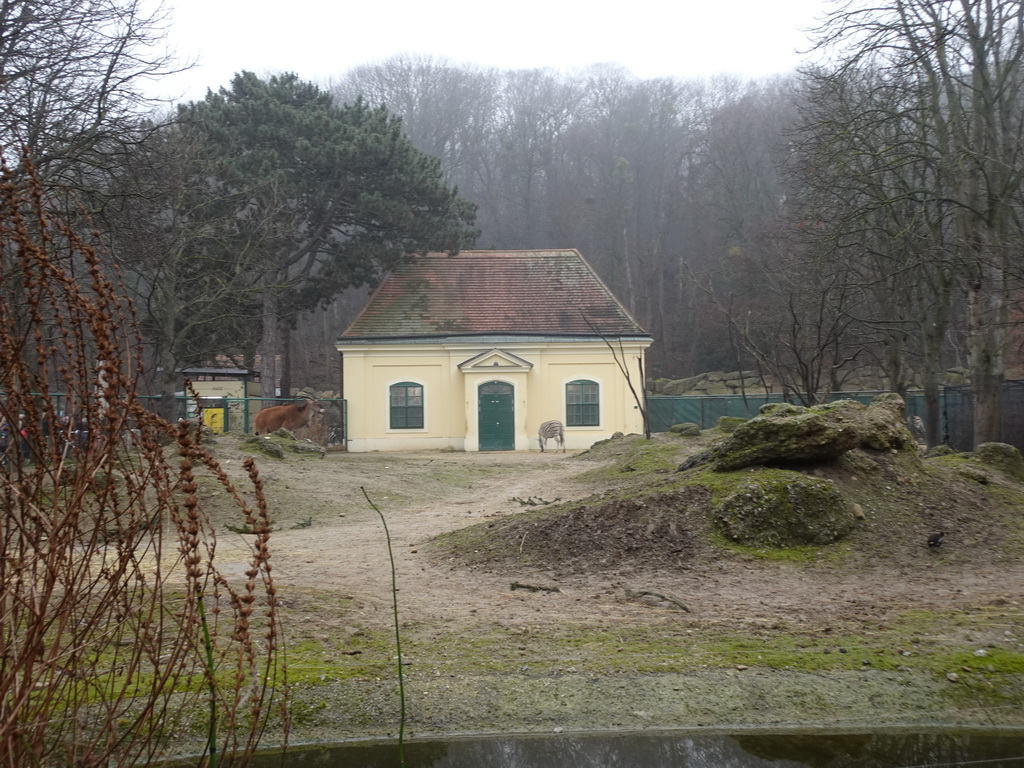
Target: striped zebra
(550, 429)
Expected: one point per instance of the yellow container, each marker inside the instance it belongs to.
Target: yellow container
(214, 418)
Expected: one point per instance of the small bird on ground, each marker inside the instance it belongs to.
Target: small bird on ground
(935, 540)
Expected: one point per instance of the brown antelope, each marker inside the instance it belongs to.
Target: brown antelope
(291, 416)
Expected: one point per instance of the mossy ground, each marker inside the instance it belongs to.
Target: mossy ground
(589, 676)
(865, 631)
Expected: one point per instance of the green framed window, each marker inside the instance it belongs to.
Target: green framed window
(582, 404)
(406, 399)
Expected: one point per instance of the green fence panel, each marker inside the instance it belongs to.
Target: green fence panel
(664, 411)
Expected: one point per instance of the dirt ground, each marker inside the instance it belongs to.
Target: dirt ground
(344, 549)
(329, 549)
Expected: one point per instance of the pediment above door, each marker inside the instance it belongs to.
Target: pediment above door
(495, 360)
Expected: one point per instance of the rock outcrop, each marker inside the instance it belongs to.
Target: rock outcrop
(1006, 458)
(774, 504)
(779, 509)
(785, 434)
(276, 443)
(686, 429)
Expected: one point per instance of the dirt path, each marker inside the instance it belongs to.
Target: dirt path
(346, 551)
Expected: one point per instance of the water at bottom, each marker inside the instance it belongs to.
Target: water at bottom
(984, 749)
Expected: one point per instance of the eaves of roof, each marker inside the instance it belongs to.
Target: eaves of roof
(489, 338)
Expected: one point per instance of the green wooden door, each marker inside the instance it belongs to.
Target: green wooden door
(497, 417)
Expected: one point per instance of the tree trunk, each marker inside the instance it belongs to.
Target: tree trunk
(168, 381)
(285, 335)
(269, 348)
(986, 324)
(932, 409)
(932, 335)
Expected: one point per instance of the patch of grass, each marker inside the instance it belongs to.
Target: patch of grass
(915, 648)
(724, 484)
(949, 460)
(635, 456)
(1008, 495)
(336, 658)
(802, 555)
(637, 650)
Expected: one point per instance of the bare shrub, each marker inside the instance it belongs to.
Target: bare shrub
(106, 556)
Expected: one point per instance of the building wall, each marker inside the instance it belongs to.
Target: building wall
(223, 388)
(538, 371)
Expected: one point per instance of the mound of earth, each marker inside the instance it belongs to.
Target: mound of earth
(782, 507)
(277, 443)
(883, 503)
(661, 531)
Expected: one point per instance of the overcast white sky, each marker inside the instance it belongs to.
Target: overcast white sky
(321, 39)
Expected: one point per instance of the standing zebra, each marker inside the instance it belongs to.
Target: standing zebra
(553, 429)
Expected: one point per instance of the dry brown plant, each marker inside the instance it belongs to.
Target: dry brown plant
(106, 554)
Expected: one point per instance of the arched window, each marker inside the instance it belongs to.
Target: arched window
(406, 405)
(582, 404)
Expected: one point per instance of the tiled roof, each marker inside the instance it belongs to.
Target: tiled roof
(550, 293)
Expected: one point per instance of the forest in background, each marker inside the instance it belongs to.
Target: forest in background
(662, 185)
(862, 214)
(805, 227)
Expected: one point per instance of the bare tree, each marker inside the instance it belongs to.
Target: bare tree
(194, 290)
(960, 77)
(70, 72)
(733, 200)
(447, 110)
(790, 312)
(897, 242)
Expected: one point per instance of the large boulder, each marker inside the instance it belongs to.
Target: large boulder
(264, 445)
(686, 429)
(883, 424)
(680, 386)
(1006, 458)
(781, 508)
(784, 434)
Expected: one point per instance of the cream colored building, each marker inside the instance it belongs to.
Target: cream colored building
(473, 352)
